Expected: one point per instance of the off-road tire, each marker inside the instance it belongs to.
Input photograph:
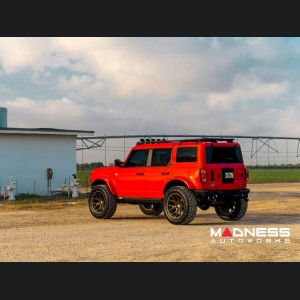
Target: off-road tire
(180, 205)
(154, 209)
(235, 213)
(102, 203)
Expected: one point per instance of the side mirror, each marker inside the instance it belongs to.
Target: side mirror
(118, 163)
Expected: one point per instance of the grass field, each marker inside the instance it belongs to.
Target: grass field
(274, 175)
(256, 175)
(84, 177)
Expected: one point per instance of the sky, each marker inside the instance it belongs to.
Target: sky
(153, 85)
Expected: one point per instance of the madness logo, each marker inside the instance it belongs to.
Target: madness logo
(253, 235)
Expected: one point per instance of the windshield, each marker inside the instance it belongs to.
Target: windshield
(217, 155)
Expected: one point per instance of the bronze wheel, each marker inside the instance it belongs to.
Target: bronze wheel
(176, 206)
(180, 205)
(102, 203)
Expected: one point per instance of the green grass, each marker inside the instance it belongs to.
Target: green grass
(84, 177)
(274, 175)
(26, 196)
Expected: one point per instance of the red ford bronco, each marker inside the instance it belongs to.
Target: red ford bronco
(175, 177)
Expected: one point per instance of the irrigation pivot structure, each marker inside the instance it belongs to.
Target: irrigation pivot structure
(256, 143)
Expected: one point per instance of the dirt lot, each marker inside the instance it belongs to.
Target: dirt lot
(72, 234)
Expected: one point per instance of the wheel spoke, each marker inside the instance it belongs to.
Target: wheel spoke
(98, 202)
(172, 206)
(175, 205)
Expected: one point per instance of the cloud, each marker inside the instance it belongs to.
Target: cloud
(80, 88)
(19, 53)
(55, 113)
(4, 89)
(138, 67)
(129, 67)
(247, 88)
(156, 84)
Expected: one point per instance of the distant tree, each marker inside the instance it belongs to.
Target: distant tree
(89, 166)
(282, 166)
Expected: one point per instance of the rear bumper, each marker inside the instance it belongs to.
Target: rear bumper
(222, 194)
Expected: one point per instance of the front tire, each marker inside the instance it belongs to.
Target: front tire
(102, 203)
(180, 205)
(152, 209)
(233, 211)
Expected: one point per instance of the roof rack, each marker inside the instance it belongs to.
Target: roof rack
(212, 140)
(196, 141)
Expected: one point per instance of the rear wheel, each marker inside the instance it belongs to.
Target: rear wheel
(152, 209)
(102, 203)
(180, 205)
(233, 211)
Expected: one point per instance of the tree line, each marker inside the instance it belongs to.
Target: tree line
(89, 166)
(282, 166)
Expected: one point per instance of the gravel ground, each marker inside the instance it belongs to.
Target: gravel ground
(71, 234)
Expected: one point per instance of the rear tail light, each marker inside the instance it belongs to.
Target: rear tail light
(247, 175)
(203, 175)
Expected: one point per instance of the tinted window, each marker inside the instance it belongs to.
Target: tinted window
(186, 154)
(215, 155)
(161, 157)
(138, 158)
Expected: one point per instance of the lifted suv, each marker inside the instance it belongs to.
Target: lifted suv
(175, 177)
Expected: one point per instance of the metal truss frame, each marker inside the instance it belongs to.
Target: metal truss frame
(98, 141)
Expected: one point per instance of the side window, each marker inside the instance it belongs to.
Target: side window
(138, 158)
(186, 154)
(161, 157)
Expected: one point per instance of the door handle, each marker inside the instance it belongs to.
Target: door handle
(139, 173)
(165, 173)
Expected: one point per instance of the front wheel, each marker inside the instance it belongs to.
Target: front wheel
(180, 205)
(152, 209)
(232, 211)
(102, 203)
